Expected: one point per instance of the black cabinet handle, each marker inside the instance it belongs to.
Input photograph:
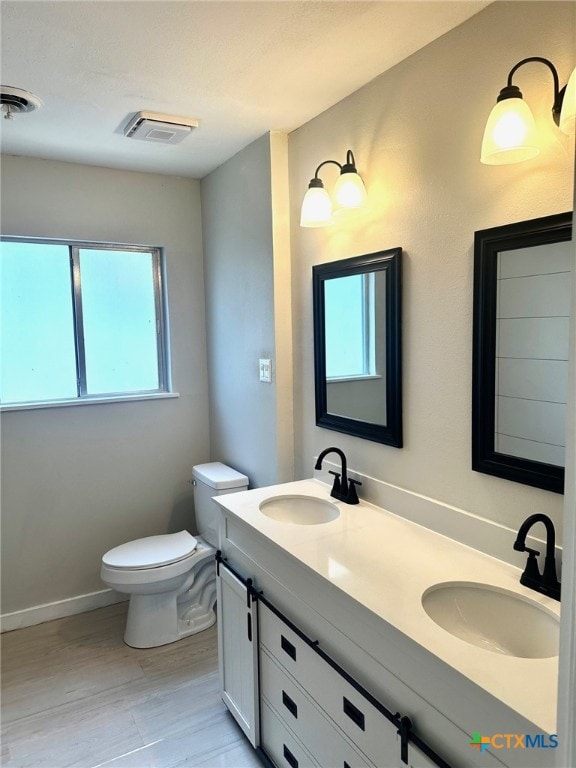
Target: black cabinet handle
(404, 732)
(290, 757)
(346, 764)
(288, 647)
(249, 627)
(353, 713)
(290, 704)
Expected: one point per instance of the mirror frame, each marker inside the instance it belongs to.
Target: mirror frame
(389, 261)
(488, 243)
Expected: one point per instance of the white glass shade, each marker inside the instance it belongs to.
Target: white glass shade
(510, 134)
(316, 208)
(350, 191)
(568, 114)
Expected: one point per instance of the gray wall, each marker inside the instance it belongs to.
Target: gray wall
(416, 133)
(78, 480)
(247, 312)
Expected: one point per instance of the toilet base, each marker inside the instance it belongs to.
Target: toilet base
(165, 617)
(195, 619)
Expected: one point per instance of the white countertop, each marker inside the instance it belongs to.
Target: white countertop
(386, 563)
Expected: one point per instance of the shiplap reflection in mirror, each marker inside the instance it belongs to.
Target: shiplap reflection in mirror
(520, 349)
(355, 310)
(533, 309)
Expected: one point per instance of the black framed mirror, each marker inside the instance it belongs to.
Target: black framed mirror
(520, 350)
(358, 346)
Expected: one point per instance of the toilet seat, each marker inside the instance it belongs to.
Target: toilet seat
(151, 552)
(132, 578)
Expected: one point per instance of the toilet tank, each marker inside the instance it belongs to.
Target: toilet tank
(213, 479)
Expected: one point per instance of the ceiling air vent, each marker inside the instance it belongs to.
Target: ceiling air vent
(16, 101)
(159, 129)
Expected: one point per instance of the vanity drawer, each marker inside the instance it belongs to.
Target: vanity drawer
(327, 744)
(360, 720)
(292, 652)
(284, 644)
(279, 742)
(357, 717)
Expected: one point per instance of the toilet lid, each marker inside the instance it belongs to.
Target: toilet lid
(151, 552)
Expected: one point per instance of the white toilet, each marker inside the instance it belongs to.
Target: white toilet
(171, 579)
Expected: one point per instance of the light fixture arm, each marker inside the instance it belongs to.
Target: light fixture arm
(512, 91)
(348, 167)
(326, 162)
(350, 164)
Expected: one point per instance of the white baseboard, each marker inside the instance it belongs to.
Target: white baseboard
(38, 614)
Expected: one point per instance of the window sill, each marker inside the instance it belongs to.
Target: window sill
(88, 401)
(361, 377)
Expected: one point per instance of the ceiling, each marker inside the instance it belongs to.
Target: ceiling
(241, 68)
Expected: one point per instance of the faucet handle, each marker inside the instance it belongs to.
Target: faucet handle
(336, 488)
(352, 497)
(520, 547)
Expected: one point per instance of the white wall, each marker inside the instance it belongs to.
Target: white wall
(416, 133)
(247, 268)
(79, 480)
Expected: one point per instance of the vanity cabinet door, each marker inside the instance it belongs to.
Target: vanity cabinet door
(238, 652)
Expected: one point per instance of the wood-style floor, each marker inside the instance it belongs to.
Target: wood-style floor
(73, 695)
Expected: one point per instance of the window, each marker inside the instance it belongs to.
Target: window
(350, 326)
(80, 321)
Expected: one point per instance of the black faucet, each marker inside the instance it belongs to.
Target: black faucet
(547, 583)
(344, 488)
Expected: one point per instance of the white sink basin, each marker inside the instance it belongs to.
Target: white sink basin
(299, 510)
(494, 619)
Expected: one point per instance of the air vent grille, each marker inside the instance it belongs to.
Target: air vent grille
(159, 129)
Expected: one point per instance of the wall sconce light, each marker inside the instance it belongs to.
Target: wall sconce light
(349, 192)
(510, 133)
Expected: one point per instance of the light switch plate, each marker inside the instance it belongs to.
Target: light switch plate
(265, 370)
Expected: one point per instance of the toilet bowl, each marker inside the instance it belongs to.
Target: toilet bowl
(171, 578)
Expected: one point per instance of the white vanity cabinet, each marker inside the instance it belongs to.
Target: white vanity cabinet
(327, 681)
(295, 705)
(293, 701)
(238, 650)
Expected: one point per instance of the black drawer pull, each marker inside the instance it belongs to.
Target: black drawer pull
(249, 618)
(288, 647)
(290, 757)
(290, 705)
(354, 713)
